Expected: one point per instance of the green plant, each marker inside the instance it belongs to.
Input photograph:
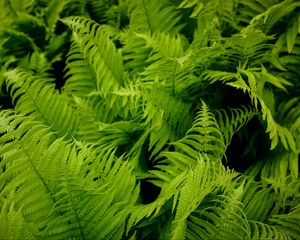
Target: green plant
(149, 119)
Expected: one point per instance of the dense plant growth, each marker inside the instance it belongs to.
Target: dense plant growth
(149, 119)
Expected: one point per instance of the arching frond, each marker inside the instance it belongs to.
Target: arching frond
(224, 217)
(99, 51)
(277, 12)
(169, 192)
(289, 61)
(122, 113)
(250, 45)
(34, 97)
(252, 82)
(203, 138)
(62, 184)
(253, 193)
(17, 43)
(259, 95)
(32, 158)
(170, 62)
(38, 64)
(81, 76)
(201, 181)
(90, 211)
(232, 121)
(284, 163)
(277, 166)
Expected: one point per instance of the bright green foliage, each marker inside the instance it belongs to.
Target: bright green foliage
(149, 119)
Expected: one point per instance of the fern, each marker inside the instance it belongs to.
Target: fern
(288, 223)
(135, 51)
(167, 125)
(13, 225)
(21, 148)
(203, 138)
(119, 115)
(154, 15)
(107, 67)
(29, 94)
(52, 13)
(206, 179)
(62, 187)
(232, 122)
(194, 142)
(255, 88)
(80, 74)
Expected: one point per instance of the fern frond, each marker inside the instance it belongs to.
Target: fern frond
(135, 51)
(169, 192)
(32, 158)
(215, 8)
(95, 200)
(166, 124)
(197, 6)
(38, 64)
(99, 51)
(250, 45)
(277, 166)
(224, 217)
(261, 230)
(277, 12)
(285, 162)
(118, 134)
(13, 225)
(154, 15)
(204, 137)
(17, 43)
(33, 97)
(248, 10)
(108, 12)
(81, 210)
(262, 217)
(289, 61)
(80, 75)
(170, 62)
(97, 9)
(201, 181)
(253, 194)
(52, 14)
(289, 223)
(75, 8)
(232, 122)
(253, 83)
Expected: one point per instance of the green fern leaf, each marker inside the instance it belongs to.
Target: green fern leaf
(81, 77)
(33, 97)
(204, 137)
(99, 51)
(201, 181)
(233, 121)
(154, 15)
(53, 13)
(14, 226)
(29, 167)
